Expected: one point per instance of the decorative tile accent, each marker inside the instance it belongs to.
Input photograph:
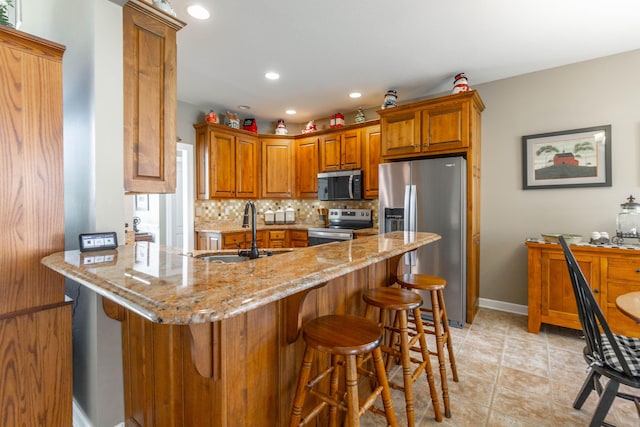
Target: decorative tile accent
(306, 210)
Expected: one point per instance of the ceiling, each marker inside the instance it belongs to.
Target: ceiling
(326, 49)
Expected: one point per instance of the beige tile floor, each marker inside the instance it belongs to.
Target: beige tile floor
(509, 377)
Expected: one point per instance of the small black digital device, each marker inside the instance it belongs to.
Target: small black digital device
(98, 241)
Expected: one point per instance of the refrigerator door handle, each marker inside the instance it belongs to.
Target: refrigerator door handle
(413, 209)
(413, 226)
(407, 208)
(410, 219)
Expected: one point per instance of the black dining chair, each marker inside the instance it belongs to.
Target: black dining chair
(609, 355)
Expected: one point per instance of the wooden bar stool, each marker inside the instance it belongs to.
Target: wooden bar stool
(345, 337)
(439, 327)
(400, 302)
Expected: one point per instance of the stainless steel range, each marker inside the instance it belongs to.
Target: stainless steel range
(342, 222)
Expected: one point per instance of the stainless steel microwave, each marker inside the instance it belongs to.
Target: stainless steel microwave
(340, 185)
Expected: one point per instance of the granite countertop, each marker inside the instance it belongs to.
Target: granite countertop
(165, 286)
(535, 240)
(366, 232)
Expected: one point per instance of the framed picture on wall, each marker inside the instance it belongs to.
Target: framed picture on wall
(567, 159)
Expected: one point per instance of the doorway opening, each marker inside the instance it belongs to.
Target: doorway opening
(179, 206)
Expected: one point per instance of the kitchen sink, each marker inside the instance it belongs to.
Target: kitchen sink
(234, 257)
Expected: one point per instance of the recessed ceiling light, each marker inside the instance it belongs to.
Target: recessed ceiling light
(199, 12)
(272, 75)
(355, 95)
(244, 107)
(290, 112)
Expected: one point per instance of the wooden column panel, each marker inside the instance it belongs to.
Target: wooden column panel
(36, 376)
(32, 208)
(150, 99)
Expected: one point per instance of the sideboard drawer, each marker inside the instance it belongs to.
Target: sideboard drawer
(624, 268)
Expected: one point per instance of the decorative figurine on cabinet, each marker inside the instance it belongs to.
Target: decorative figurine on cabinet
(337, 121)
(164, 6)
(359, 118)
(390, 99)
(212, 117)
(281, 128)
(460, 84)
(250, 125)
(310, 127)
(231, 120)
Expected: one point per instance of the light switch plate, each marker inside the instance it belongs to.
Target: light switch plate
(98, 241)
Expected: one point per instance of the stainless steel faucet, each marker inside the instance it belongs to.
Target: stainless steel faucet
(253, 252)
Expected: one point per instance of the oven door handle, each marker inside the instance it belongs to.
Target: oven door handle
(331, 235)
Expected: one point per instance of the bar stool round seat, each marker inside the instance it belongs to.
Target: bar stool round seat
(344, 337)
(424, 282)
(329, 334)
(439, 327)
(403, 302)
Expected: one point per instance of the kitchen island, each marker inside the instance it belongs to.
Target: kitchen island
(210, 344)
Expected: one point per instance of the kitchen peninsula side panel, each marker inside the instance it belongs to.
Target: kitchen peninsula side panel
(255, 378)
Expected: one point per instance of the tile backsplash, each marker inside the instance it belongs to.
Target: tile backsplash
(306, 209)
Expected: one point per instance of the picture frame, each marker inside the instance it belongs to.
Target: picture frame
(567, 159)
(142, 202)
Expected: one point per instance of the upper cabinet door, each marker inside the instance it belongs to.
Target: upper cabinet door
(149, 49)
(370, 160)
(400, 133)
(307, 168)
(247, 166)
(330, 152)
(445, 127)
(278, 168)
(350, 150)
(222, 158)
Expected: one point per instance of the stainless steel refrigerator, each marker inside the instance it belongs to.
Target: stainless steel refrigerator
(430, 195)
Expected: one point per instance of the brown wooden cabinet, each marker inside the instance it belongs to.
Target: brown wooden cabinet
(150, 100)
(439, 126)
(401, 132)
(277, 239)
(445, 126)
(242, 239)
(448, 125)
(227, 162)
(278, 167)
(298, 238)
(370, 160)
(35, 318)
(207, 240)
(340, 150)
(609, 271)
(306, 179)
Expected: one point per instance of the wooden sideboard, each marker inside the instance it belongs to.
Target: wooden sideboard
(609, 271)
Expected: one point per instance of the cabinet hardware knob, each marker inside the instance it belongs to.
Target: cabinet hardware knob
(595, 291)
(638, 270)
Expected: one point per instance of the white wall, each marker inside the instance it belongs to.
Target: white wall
(598, 92)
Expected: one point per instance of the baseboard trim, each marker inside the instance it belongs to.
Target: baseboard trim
(80, 419)
(503, 306)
